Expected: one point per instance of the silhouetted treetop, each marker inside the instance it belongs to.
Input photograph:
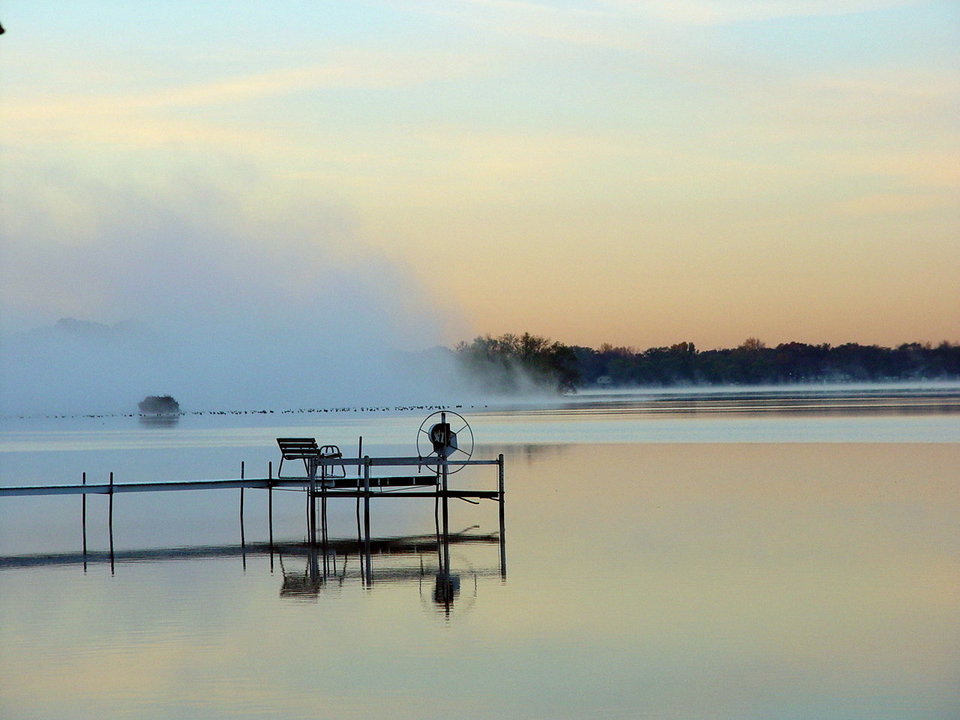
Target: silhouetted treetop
(159, 405)
(510, 362)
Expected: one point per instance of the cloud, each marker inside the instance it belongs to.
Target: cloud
(724, 12)
(634, 24)
(697, 12)
(348, 70)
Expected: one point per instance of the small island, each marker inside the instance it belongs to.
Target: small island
(159, 405)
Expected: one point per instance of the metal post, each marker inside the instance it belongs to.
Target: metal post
(366, 492)
(270, 505)
(444, 472)
(110, 523)
(83, 522)
(359, 455)
(323, 510)
(503, 539)
(243, 539)
(445, 534)
(366, 516)
(323, 522)
(242, 476)
(312, 499)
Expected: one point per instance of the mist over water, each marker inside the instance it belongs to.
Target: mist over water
(218, 312)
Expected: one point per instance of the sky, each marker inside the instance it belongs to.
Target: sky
(639, 173)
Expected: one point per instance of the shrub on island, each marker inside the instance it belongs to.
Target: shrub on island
(159, 405)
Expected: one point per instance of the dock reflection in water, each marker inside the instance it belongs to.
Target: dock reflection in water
(412, 559)
(159, 421)
(419, 559)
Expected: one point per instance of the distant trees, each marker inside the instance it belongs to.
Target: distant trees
(510, 363)
(752, 362)
(158, 405)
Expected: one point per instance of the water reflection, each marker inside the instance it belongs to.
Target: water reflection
(697, 580)
(308, 569)
(801, 400)
(531, 453)
(159, 421)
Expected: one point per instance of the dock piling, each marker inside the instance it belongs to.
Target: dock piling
(110, 523)
(83, 522)
(366, 514)
(312, 500)
(243, 539)
(270, 500)
(242, 474)
(503, 539)
(323, 506)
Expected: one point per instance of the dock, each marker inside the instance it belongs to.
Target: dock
(320, 485)
(359, 486)
(442, 451)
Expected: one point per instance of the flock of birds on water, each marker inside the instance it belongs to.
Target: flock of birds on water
(298, 411)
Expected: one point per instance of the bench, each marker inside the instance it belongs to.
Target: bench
(306, 449)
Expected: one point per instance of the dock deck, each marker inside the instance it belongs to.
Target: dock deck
(352, 487)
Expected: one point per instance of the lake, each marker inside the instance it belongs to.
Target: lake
(780, 553)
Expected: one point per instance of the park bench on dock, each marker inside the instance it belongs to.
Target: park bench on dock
(326, 468)
(306, 449)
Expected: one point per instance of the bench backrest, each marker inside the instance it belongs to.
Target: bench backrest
(298, 448)
(305, 448)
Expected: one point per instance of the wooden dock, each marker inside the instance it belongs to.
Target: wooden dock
(326, 480)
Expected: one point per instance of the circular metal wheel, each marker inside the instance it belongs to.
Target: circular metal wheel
(458, 425)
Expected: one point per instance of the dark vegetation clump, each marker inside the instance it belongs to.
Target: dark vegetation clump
(753, 363)
(159, 405)
(511, 363)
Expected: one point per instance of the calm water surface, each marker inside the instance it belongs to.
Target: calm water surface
(782, 555)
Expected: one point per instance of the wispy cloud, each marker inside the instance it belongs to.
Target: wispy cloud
(588, 24)
(615, 22)
(352, 69)
(725, 12)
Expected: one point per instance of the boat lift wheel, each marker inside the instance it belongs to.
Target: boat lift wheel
(445, 434)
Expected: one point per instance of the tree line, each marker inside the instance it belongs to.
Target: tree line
(511, 363)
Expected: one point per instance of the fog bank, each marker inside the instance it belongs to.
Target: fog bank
(218, 312)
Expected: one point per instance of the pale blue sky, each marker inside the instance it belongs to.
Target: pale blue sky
(633, 172)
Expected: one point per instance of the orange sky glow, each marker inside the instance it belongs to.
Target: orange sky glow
(593, 171)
